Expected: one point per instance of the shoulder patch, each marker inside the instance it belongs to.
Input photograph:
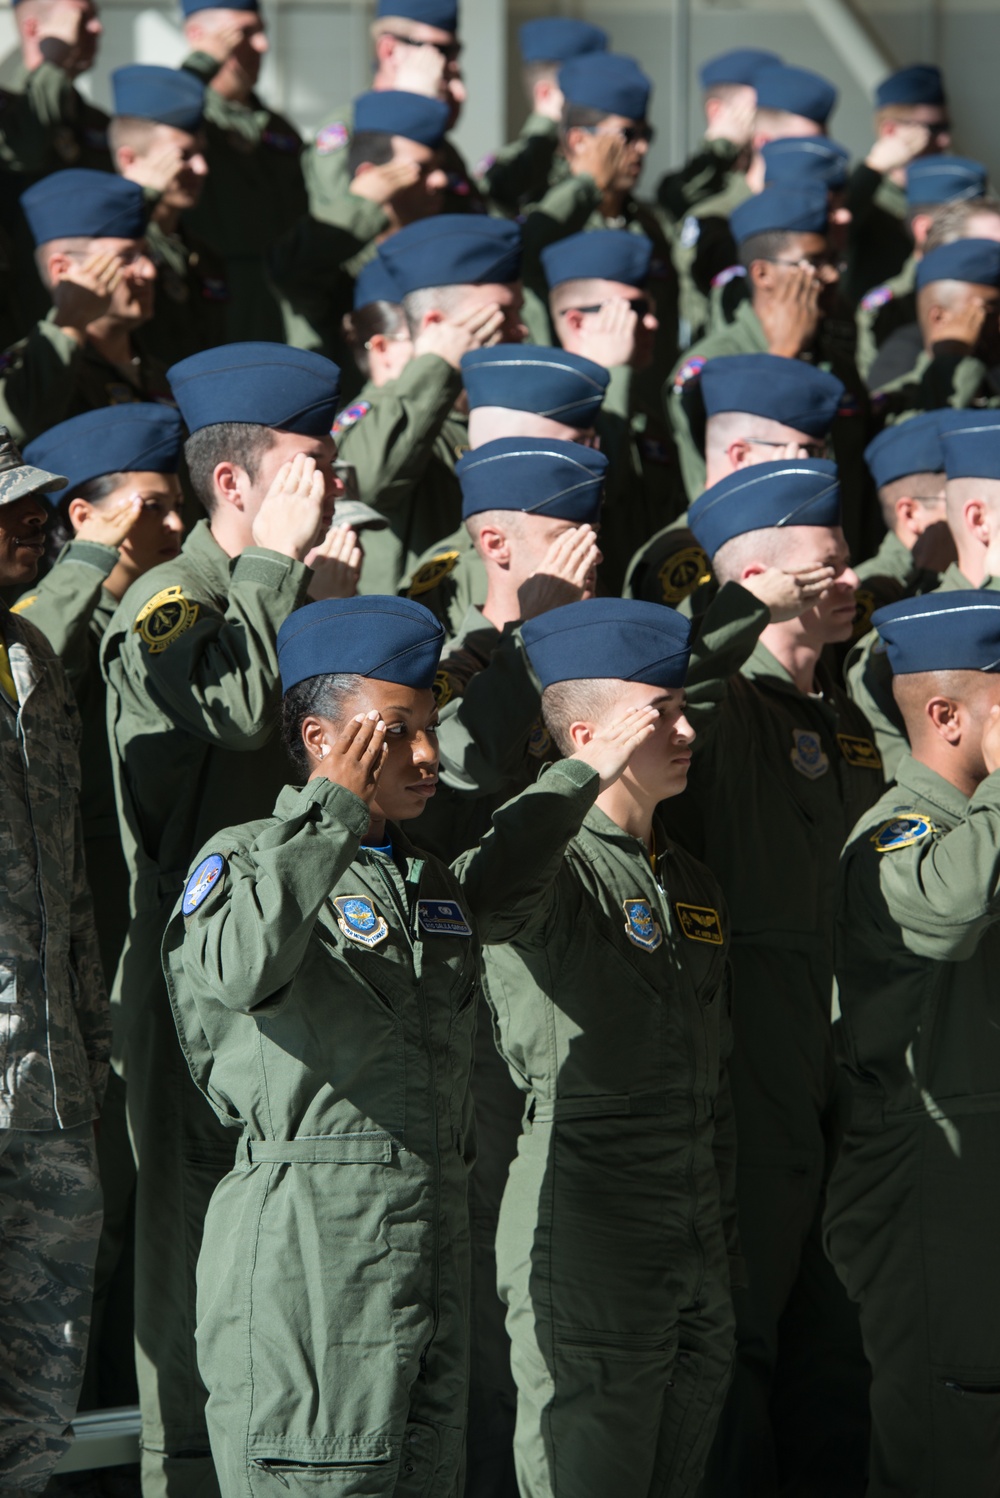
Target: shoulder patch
(359, 920)
(348, 416)
(431, 573)
(861, 753)
(640, 927)
(690, 232)
(539, 741)
(690, 370)
(850, 405)
(443, 688)
(864, 607)
(878, 297)
(332, 138)
(731, 273)
(166, 615)
(699, 923)
(202, 882)
(483, 166)
(23, 603)
(681, 573)
(442, 918)
(280, 140)
(808, 755)
(901, 832)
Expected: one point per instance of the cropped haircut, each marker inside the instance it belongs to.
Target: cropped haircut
(567, 702)
(536, 72)
(766, 246)
(910, 486)
(764, 545)
(416, 304)
(131, 130)
(239, 442)
(949, 220)
(328, 696)
(385, 318)
(373, 146)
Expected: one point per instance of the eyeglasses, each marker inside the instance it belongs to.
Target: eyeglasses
(629, 134)
(640, 305)
(943, 127)
(811, 449)
(826, 263)
(450, 51)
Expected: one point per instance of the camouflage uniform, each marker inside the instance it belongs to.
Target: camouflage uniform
(54, 1046)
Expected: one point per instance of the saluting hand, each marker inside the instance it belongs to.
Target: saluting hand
(567, 572)
(611, 748)
(991, 740)
(378, 184)
(110, 529)
(789, 594)
(336, 564)
(82, 296)
(790, 313)
(290, 518)
(355, 759)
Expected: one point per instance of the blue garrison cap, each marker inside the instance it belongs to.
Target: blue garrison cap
(548, 381)
(440, 13)
(453, 249)
(944, 179)
(170, 96)
(786, 390)
(971, 443)
(608, 82)
(392, 112)
(617, 639)
(138, 438)
(942, 632)
(78, 201)
(558, 38)
(794, 491)
(390, 639)
(804, 161)
(795, 91)
(600, 255)
(914, 446)
(191, 7)
(374, 284)
(261, 384)
(536, 475)
(741, 65)
(920, 84)
(974, 260)
(781, 210)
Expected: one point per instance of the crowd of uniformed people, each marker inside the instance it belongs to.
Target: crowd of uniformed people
(499, 710)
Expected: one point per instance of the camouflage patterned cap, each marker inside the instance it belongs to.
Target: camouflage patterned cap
(18, 478)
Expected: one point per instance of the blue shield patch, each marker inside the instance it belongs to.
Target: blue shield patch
(808, 756)
(359, 920)
(442, 918)
(901, 832)
(640, 927)
(202, 882)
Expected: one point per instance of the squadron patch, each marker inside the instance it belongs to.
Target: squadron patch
(539, 741)
(861, 753)
(682, 572)
(166, 615)
(689, 370)
(808, 756)
(202, 882)
(431, 573)
(699, 923)
(880, 296)
(901, 832)
(864, 607)
(331, 138)
(359, 920)
(442, 918)
(442, 689)
(640, 927)
(24, 603)
(349, 415)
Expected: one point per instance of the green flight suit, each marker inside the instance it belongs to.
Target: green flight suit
(521, 171)
(879, 242)
(883, 311)
(191, 666)
(48, 377)
(192, 296)
(777, 781)
(404, 439)
(72, 608)
(936, 381)
(253, 194)
(851, 426)
(913, 1217)
(887, 577)
(668, 568)
(617, 1231)
(448, 579)
(703, 253)
(869, 679)
(707, 174)
(352, 1274)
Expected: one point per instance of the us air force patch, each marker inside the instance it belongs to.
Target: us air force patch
(539, 740)
(202, 882)
(682, 572)
(166, 615)
(442, 918)
(640, 927)
(880, 296)
(901, 832)
(359, 920)
(861, 753)
(331, 138)
(808, 756)
(699, 923)
(349, 417)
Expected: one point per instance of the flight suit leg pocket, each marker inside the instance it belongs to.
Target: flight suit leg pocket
(965, 1426)
(278, 1477)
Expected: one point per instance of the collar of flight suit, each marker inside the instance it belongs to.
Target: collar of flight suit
(930, 791)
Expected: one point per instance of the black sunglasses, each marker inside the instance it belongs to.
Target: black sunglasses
(639, 304)
(450, 51)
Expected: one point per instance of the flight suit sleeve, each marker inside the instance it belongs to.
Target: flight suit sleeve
(934, 382)
(316, 249)
(729, 633)
(37, 381)
(509, 880)
(482, 734)
(943, 890)
(246, 941)
(519, 173)
(63, 603)
(724, 1143)
(391, 445)
(704, 175)
(217, 674)
(30, 119)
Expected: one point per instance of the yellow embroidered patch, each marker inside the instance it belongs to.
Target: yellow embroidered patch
(442, 689)
(864, 607)
(859, 752)
(166, 615)
(24, 603)
(682, 572)
(901, 832)
(430, 574)
(539, 740)
(699, 923)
